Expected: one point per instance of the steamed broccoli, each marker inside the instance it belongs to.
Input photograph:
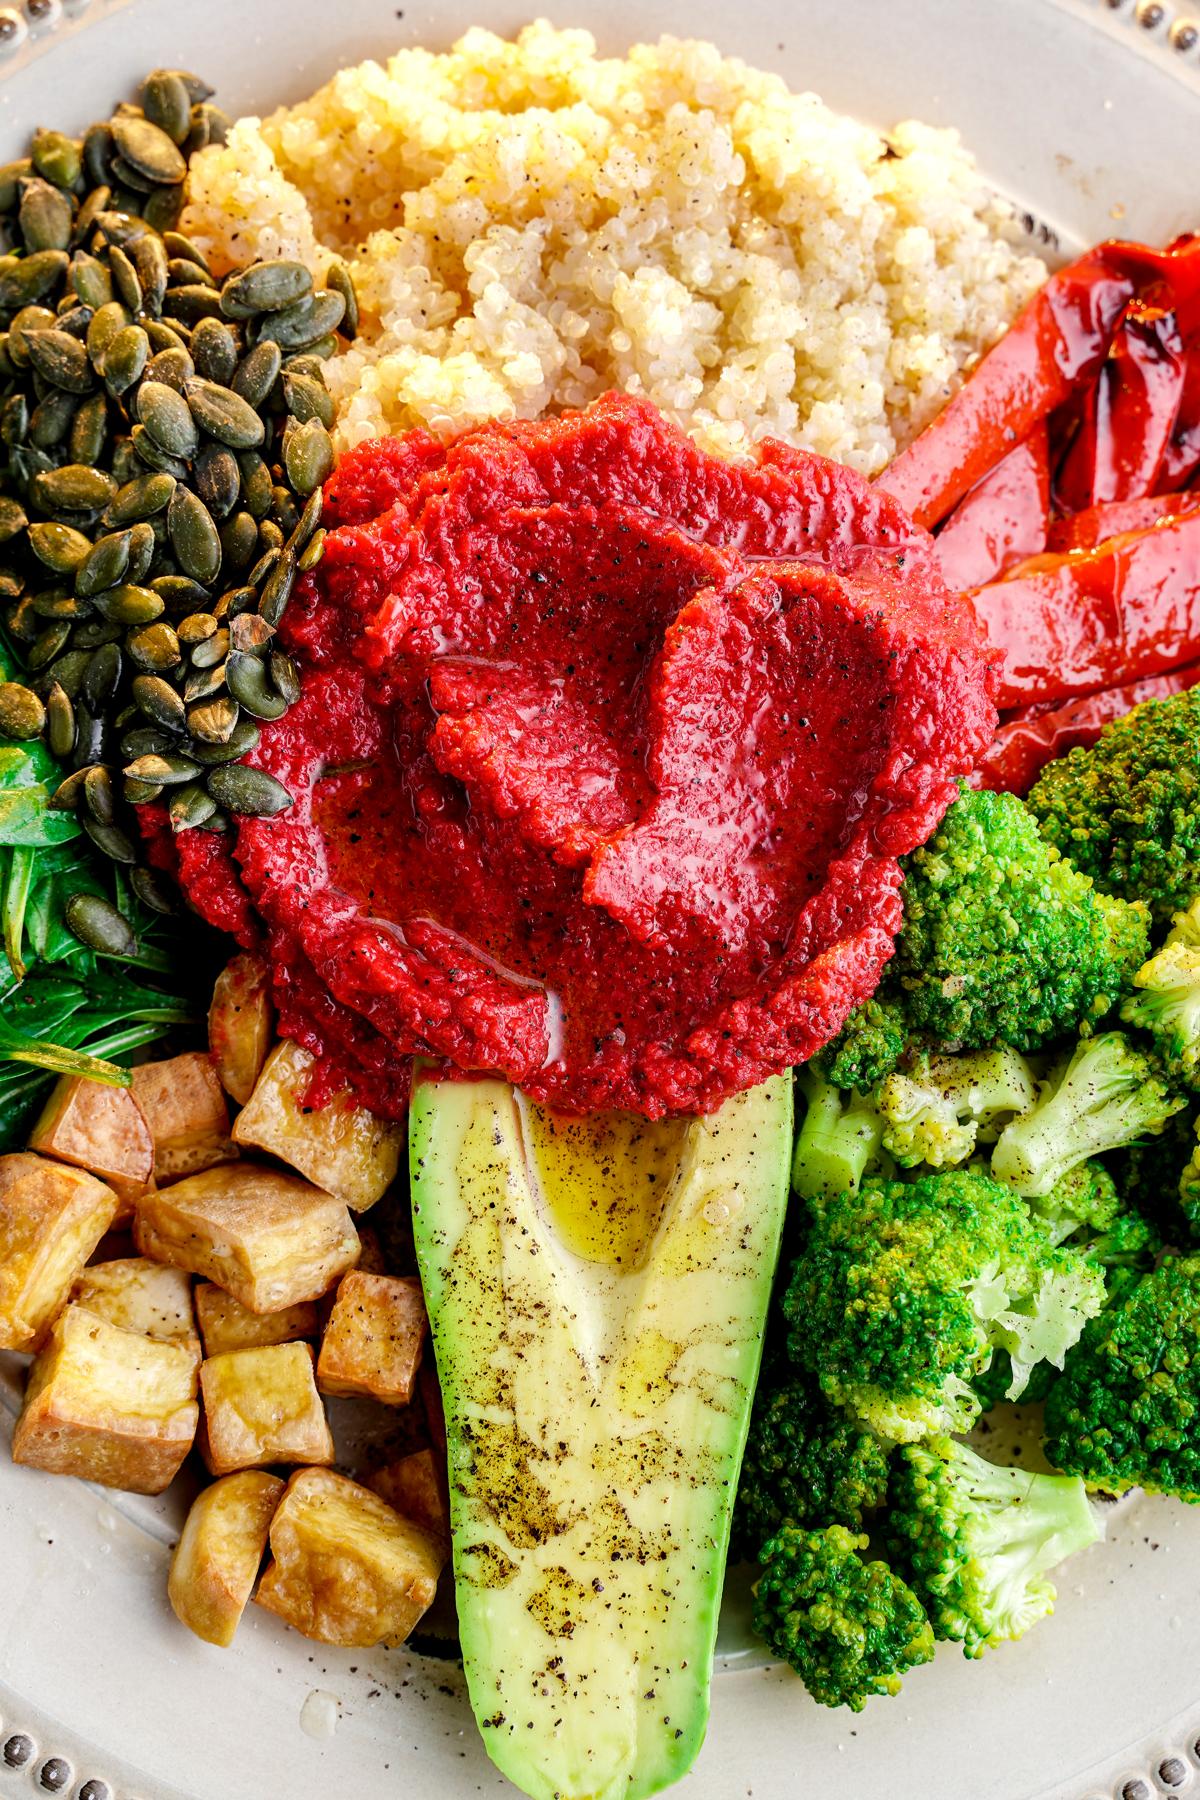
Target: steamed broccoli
(1148, 1176)
(838, 1138)
(1003, 940)
(1109, 1094)
(1126, 1410)
(902, 1293)
(806, 1463)
(1189, 1188)
(934, 1112)
(869, 1045)
(1167, 1001)
(849, 1628)
(993, 1385)
(1084, 1201)
(1127, 809)
(976, 1540)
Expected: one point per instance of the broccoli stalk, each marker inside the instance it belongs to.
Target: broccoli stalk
(977, 1540)
(1167, 1001)
(839, 1136)
(1108, 1095)
(935, 1113)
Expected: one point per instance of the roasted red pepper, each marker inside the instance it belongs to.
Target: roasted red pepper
(1077, 623)
(1128, 414)
(1084, 530)
(1025, 744)
(1182, 458)
(1003, 520)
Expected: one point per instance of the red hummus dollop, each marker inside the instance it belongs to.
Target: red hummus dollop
(605, 755)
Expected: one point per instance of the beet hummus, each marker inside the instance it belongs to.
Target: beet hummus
(605, 754)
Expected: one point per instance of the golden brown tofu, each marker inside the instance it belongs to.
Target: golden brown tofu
(225, 1324)
(186, 1111)
(240, 1024)
(262, 1406)
(217, 1558)
(98, 1128)
(52, 1217)
(341, 1147)
(347, 1568)
(108, 1405)
(140, 1295)
(373, 1342)
(418, 1488)
(266, 1237)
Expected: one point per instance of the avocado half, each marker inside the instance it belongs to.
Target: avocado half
(597, 1290)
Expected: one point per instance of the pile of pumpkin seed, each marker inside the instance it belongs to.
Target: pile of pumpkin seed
(163, 440)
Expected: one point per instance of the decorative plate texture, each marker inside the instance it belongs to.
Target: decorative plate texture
(1088, 114)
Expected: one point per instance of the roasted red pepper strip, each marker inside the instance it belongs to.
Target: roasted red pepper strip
(1025, 744)
(1182, 458)
(1003, 520)
(1084, 530)
(1129, 414)
(1074, 624)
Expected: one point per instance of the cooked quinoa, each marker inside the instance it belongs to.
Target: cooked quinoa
(530, 224)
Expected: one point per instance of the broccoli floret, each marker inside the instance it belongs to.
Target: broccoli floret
(839, 1137)
(1107, 1095)
(806, 1463)
(1126, 1410)
(1167, 1001)
(993, 1385)
(849, 1628)
(1148, 1177)
(1127, 809)
(902, 1293)
(935, 1112)
(1003, 940)
(976, 1540)
(869, 1045)
(1189, 1188)
(1084, 1201)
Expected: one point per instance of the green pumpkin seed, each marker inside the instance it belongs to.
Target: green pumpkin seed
(306, 398)
(166, 337)
(197, 628)
(68, 794)
(12, 174)
(212, 650)
(74, 488)
(277, 589)
(192, 302)
(151, 891)
(22, 621)
(142, 498)
(167, 770)
(155, 457)
(110, 839)
(212, 752)
(163, 208)
(48, 644)
(194, 536)
(233, 603)
(98, 201)
(141, 793)
(14, 429)
(308, 522)
(285, 676)
(215, 351)
(239, 541)
(155, 648)
(90, 280)
(56, 603)
(69, 670)
(94, 632)
(12, 518)
(143, 548)
(182, 272)
(25, 279)
(107, 321)
(98, 153)
(129, 604)
(308, 456)
(171, 367)
(103, 676)
(28, 320)
(190, 807)
(209, 126)
(213, 721)
(126, 279)
(98, 924)
(257, 373)
(247, 680)
(62, 359)
(340, 280)
(203, 684)
(120, 227)
(301, 326)
(50, 422)
(104, 564)
(266, 565)
(98, 794)
(60, 720)
(146, 740)
(285, 516)
(167, 104)
(180, 594)
(149, 149)
(125, 358)
(56, 157)
(60, 547)
(22, 714)
(89, 430)
(150, 260)
(250, 634)
(74, 318)
(91, 737)
(256, 484)
(218, 478)
(128, 181)
(46, 217)
(165, 414)
(223, 414)
(183, 249)
(265, 287)
(241, 789)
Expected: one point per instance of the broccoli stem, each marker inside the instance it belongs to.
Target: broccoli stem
(839, 1136)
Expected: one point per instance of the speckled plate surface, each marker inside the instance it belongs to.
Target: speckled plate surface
(1088, 114)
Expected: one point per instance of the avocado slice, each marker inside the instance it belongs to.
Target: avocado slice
(597, 1290)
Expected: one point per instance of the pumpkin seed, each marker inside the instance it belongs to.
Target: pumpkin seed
(97, 923)
(180, 593)
(250, 633)
(48, 644)
(308, 456)
(155, 647)
(265, 287)
(126, 280)
(12, 518)
(62, 359)
(167, 104)
(171, 367)
(24, 279)
(68, 793)
(56, 603)
(163, 208)
(46, 217)
(212, 650)
(165, 337)
(60, 721)
(14, 428)
(285, 516)
(56, 157)
(141, 793)
(103, 676)
(94, 632)
(143, 547)
(213, 721)
(215, 351)
(190, 807)
(265, 566)
(165, 414)
(150, 260)
(183, 249)
(306, 323)
(22, 621)
(69, 670)
(256, 484)
(239, 540)
(90, 280)
(151, 891)
(129, 604)
(306, 398)
(119, 226)
(154, 456)
(270, 536)
(141, 498)
(212, 752)
(203, 684)
(196, 628)
(91, 737)
(60, 547)
(149, 150)
(223, 414)
(209, 126)
(234, 603)
(248, 683)
(50, 421)
(73, 318)
(98, 201)
(308, 522)
(183, 272)
(277, 590)
(125, 358)
(104, 563)
(241, 789)
(167, 769)
(257, 373)
(89, 429)
(110, 839)
(107, 321)
(285, 675)
(98, 794)
(218, 479)
(22, 714)
(12, 174)
(75, 488)
(146, 740)
(194, 536)
(192, 302)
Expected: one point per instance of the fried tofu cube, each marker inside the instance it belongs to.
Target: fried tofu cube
(99, 1128)
(266, 1237)
(220, 1548)
(52, 1216)
(417, 1487)
(341, 1147)
(262, 1406)
(241, 1024)
(373, 1342)
(108, 1405)
(347, 1568)
(225, 1324)
(140, 1295)
(185, 1108)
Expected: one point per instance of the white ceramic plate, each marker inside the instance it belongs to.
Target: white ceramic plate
(1088, 114)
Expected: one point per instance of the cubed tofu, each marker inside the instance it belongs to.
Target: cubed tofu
(108, 1405)
(140, 1295)
(373, 1342)
(99, 1128)
(185, 1108)
(225, 1324)
(241, 1024)
(220, 1548)
(266, 1237)
(341, 1147)
(416, 1486)
(347, 1569)
(52, 1217)
(262, 1406)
